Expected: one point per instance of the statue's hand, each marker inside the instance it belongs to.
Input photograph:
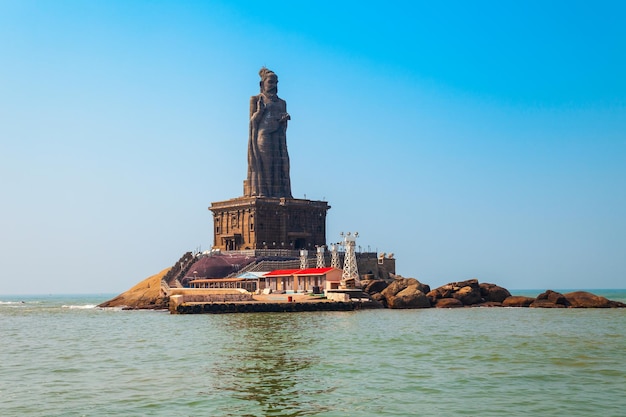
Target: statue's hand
(284, 117)
(260, 107)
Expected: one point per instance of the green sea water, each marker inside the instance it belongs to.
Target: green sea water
(62, 356)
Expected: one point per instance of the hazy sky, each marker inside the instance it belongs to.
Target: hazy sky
(482, 139)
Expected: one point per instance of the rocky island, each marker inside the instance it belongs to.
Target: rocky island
(262, 242)
(394, 293)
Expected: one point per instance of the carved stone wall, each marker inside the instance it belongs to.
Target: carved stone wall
(269, 223)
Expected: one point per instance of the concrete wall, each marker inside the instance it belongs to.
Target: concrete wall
(379, 270)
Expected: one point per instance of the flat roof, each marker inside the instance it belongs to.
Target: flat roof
(281, 272)
(218, 280)
(307, 271)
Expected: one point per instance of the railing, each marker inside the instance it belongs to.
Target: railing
(273, 265)
(178, 271)
(245, 269)
(262, 252)
(265, 266)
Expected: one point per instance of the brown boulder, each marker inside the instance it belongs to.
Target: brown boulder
(488, 304)
(584, 299)
(517, 301)
(374, 286)
(378, 297)
(400, 284)
(425, 288)
(545, 303)
(448, 303)
(468, 295)
(467, 292)
(406, 293)
(468, 283)
(444, 291)
(550, 299)
(410, 297)
(493, 292)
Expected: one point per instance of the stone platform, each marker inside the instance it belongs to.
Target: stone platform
(276, 307)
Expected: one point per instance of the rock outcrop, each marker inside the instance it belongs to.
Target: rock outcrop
(550, 299)
(150, 293)
(584, 299)
(448, 303)
(466, 292)
(406, 293)
(410, 293)
(374, 286)
(493, 292)
(399, 293)
(517, 301)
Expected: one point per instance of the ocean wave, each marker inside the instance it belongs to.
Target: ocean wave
(120, 308)
(80, 307)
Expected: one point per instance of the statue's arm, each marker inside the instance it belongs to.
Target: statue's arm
(252, 145)
(253, 101)
(256, 109)
(284, 116)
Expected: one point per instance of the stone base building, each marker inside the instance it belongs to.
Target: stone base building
(247, 223)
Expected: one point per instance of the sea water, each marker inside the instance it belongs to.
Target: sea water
(63, 356)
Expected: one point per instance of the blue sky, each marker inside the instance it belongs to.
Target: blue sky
(480, 139)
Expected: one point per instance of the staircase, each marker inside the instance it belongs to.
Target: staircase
(265, 266)
(177, 272)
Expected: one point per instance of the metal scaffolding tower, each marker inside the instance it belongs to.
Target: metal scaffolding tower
(350, 276)
(334, 256)
(320, 257)
(304, 264)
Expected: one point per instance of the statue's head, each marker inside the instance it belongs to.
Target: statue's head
(269, 81)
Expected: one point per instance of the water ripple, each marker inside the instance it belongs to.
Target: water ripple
(488, 362)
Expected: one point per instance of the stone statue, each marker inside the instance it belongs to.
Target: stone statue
(268, 160)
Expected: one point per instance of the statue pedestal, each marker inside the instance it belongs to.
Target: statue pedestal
(249, 223)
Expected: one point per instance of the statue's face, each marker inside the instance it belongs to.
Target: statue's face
(270, 83)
